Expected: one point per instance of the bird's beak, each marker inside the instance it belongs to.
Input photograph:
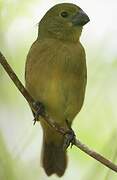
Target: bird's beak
(80, 18)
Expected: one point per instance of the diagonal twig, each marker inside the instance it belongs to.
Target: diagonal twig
(32, 102)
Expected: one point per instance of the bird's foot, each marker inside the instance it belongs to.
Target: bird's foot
(69, 139)
(39, 111)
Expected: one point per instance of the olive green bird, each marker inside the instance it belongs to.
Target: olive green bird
(56, 76)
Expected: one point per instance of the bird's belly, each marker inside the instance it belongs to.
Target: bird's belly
(61, 93)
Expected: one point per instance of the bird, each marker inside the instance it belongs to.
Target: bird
(56, 76)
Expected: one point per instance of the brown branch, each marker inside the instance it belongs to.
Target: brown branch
(31, 101)
(15, 79)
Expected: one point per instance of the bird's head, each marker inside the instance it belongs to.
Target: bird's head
(63, 21)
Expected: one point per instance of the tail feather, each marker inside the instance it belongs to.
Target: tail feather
(54, 158)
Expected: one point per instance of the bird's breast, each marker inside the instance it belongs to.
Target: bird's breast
(57, 77)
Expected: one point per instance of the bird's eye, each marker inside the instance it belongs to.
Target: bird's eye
(64, 14)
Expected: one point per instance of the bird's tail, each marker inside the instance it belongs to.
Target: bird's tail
(54, 158)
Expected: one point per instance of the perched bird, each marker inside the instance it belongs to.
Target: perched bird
(56, 76)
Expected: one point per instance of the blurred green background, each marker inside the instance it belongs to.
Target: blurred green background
(96, 124)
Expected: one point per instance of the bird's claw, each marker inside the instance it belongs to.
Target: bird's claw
(69, 139)
(39, 111)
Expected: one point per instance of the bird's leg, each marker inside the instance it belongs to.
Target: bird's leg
(69, 136)
(39, 111)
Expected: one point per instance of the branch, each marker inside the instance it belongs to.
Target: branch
(32, 103)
